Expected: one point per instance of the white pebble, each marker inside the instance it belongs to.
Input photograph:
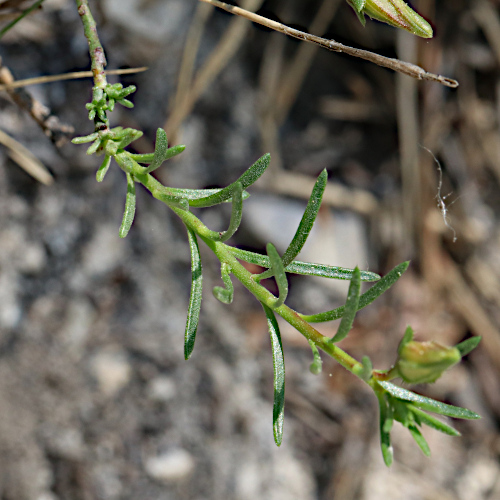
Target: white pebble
(173, 465)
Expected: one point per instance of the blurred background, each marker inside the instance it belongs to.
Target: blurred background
(96, 400)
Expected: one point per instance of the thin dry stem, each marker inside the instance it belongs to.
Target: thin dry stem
(75, 75)
(386, 62)
(58, 132)
(26, 159)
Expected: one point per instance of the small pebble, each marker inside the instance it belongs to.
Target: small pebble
(173, 465)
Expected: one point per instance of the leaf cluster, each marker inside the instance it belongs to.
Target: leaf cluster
(395, 404)
(423, 363)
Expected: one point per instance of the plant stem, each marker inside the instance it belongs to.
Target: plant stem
(211, 238)
(386, 62)
(224, 254)
(95, 48)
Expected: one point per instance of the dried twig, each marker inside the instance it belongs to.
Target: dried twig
(58, 132)
(67, 76)
(386, 62)
(26, 159)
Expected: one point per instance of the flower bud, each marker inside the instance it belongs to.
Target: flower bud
(394, 12)
(423, 362)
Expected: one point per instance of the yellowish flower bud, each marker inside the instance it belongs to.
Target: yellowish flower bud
(423, 362)
(394, 12)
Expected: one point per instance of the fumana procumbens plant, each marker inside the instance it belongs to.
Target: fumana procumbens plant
(417, 362)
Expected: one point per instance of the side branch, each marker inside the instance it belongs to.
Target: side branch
(395, 64)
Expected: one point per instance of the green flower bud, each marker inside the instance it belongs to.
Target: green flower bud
(423, 362)
(397, 13)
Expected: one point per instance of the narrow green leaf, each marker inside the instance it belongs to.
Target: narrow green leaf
(196, 194)
(148, 157)
(307, 221)
(224, 294)
(85, 139)
(161, 147)
(237, 209)
(433, 422)
(129, 213)
(468, 345)
(325, 271)
(304, 268)
(247, 179)
(305, 225)
(357, 4)
(126, 103)
(127, 136)
(427, 403)
(351, 307)
(420, 440)
(279, 274)
(365, 371)
(407, 337)
(365, 299)
(279, 375)
(94, 146)
(193, 315)
(317, 365)
(142, 157)
(103, 169)
(386, 422)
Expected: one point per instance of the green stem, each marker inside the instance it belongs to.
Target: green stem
(226, 256)
(95, 48)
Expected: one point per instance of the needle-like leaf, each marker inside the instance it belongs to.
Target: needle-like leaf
(279, 375)
(307, 221)
(427, 403)
(129, 213)
(224, 294)
(386, 421)
(317, 365)
(149, 157)
(304, 268)
(351, 307)
(161, 147)
(429, 420)
(278, 271)
(468, 345)
(103, 169)
(237, 209)
(127, 136)
(420, 440)
(305, 225)
(364, 372)
(195, 296)
(247, 179)
(365, 299)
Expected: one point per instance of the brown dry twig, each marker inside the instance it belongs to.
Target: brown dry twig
(395, 64)
(26, 159)
(75, 75)
(58, 132)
